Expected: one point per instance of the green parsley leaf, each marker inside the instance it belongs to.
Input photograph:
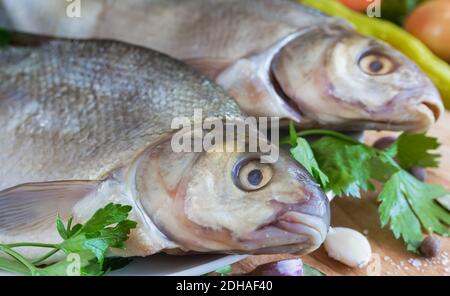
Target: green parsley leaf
(115, 263)
(92, 268)
(97, 246)
(112, 237)
(406, 203)
(5, 38)
(61, 228)
(96, 237)
(292, 134)
(414, 150)
(71, 266)
(85, 245)
(348, 166)
(394, 208)
(226, 270)
(304, 155)
(111, 214)
(382, 167)
(311, 271)
(74, 230)
(89, 266)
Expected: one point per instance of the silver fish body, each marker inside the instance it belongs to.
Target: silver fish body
(276, 57)
(82, 96)
(86, 123)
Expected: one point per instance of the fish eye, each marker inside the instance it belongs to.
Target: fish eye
(251, 174)
(376, 64)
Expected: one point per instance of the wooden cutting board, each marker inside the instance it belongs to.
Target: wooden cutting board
(389, 255)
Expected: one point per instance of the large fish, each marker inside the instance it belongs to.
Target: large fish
(86, 123)
(276, 57)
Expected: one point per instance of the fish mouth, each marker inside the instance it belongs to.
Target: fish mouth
(425, 109)
(428, 113)
(435, 109)
(292, 232)
(297, 229)
(308, 220)
(312, 227)
(414, 118)
(290, 103)
(423, 116)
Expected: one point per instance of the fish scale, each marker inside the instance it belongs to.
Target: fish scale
(87, 101)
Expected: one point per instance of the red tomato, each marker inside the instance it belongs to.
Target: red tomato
(430, 22)
(358, 5)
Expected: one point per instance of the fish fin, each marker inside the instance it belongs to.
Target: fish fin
(211, 67)
(34, 206)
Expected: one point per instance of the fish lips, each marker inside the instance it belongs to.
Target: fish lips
(423, 111)
(314, 229)
(426, 110)
(309, 219)
(297, 228)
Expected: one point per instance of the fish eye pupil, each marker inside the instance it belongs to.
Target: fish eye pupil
(376, 66)
(255, 177)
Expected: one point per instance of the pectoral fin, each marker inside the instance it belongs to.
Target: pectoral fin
(34, 206)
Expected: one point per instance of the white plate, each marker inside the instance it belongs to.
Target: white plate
(162, 264)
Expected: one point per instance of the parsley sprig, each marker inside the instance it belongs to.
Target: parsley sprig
(84, 245)
(5, 38)
(346, 167)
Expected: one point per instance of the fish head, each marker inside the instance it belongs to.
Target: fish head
(343, 80)
(233, 202)
(258, 207)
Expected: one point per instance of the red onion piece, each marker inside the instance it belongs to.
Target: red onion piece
(290, 267)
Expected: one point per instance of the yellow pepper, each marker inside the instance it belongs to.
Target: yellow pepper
(434, 67)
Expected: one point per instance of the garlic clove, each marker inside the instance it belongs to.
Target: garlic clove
(348, 246)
